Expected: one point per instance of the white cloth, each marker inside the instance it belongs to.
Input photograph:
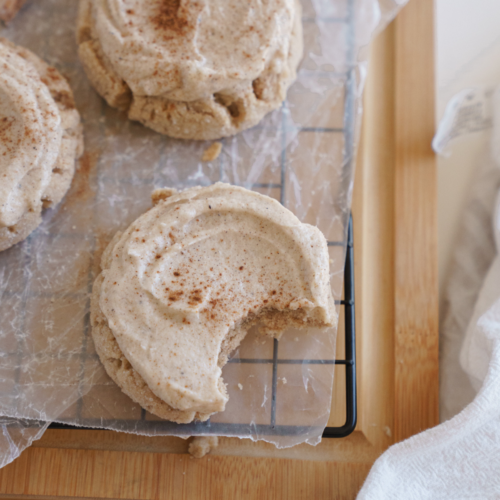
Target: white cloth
(475, 251)
(460, 459)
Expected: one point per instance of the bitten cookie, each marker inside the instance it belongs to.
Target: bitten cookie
(181, 287)
(191, 70)
(40, 138)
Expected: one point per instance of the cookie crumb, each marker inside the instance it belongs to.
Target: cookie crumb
(284, 380)
(212, 152)
(162, 194)
(9, 8)
(201, 445)
(240, 387)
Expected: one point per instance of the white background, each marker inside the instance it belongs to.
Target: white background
(467, 54)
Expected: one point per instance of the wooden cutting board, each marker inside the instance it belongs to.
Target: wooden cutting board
(397, 326)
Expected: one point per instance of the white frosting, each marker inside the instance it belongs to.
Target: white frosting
(191, 269)
(30, 136)
(188, 50)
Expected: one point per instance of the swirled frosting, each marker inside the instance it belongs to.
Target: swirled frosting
(30, 136)
(195, 267)
(186, 50)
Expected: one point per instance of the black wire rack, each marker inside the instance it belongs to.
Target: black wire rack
(142, 425)
(349, 362)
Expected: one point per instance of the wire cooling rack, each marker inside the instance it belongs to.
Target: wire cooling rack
(348, 361)
(63, 242)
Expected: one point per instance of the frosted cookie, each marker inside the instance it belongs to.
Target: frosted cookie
(191, 70)
(40, 138)
(180, 288)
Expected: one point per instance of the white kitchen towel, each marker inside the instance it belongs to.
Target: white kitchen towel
(459, 459)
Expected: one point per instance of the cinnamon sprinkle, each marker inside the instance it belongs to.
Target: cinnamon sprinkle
(168, 17)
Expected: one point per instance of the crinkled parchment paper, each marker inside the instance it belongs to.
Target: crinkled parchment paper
(301, 155)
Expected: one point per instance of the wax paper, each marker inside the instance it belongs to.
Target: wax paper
(302, 154)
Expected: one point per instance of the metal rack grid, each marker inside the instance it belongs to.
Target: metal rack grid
(347, 130)
(349, 362)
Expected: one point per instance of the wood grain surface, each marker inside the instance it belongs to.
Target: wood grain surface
(394, 211)
(415, 251)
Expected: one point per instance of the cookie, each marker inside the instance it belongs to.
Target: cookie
(182, 286)
(40, 138)
(191, 70)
